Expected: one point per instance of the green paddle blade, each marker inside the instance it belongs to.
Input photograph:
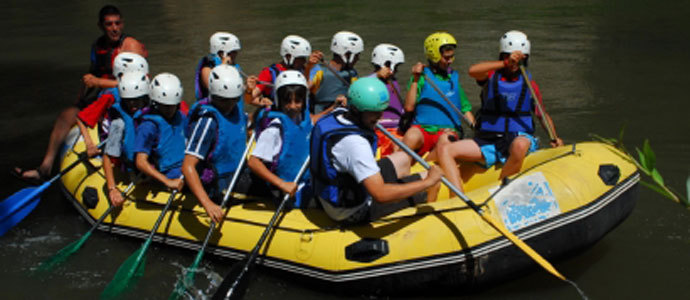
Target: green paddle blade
(184, 282)
(62, 255)
(126, 276)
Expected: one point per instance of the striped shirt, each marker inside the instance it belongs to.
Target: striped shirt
(202, 137)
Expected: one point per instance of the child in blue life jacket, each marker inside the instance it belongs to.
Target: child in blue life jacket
(328, 90)
(283, 138)
(386, 59)
(435, 121)
(217, 136)
(505, 125)
(133, 88)
(160, 142)
(297, 55)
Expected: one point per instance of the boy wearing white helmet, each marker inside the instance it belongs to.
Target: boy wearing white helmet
(160, 142)
(505, 124)
(387, 59)
(328, 88)
(283, 138)
(224, 48)
(297, 55)
(119, 148)
(435, 120)
(217, 137)
(95, 112)
(350, 184)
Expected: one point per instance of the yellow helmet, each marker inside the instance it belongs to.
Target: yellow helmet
(434, 42)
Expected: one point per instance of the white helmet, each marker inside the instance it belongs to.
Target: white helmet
(224, 41)
(296, 46)
(289, 77)
(128, 62)
(387, 52)
(225, 81)
(133, 85)
(346, 41)
(166, 89)
(515, 40)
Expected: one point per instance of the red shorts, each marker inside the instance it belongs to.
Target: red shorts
(430, 139)
(384, 143)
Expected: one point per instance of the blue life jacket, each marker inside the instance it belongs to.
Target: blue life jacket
(506, 106)
(169, 151)
(295, 142)
(129, 135)
(231, 136)
(211, 61)
(432, 109)
(338, 188)
(330, 87)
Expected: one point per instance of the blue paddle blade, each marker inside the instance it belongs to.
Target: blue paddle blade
(15, 208)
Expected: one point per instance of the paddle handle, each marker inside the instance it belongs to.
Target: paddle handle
(255, 252)
(238, 170)
(258, 81)
(433, 85)
(537, 103)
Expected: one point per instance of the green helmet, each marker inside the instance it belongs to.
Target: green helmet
(368, 94)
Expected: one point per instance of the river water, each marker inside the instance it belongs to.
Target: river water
(601, 65)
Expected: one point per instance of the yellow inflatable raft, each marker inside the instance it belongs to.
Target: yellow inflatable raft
(563, 200)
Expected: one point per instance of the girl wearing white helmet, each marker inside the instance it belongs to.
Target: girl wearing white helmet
(224, 48)
(330, 82)
(283, 138)
(297, 55)
(386, 59)
(119, 148)
(160, 142)
(217, 136)
(505, 124)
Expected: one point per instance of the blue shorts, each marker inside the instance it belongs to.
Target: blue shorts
(496, 147)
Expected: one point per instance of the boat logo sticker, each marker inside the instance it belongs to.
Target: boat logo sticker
(525, 201)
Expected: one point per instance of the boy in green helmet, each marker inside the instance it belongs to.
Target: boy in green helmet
(350, 184)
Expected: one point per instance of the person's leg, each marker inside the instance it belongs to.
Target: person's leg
(402, 163)
(413, 138)
(463, 150)
(518, 150)
(443, 139)
(64, 122)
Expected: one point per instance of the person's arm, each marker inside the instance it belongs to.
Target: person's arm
(205, 73)
(258, 167)
(411, 97)
(314, 58)
(194, 183)
(91, 149)
(465, 106)
(480, 71)
(392, 192)
(143, 165)
(253, 95)
(114, 194)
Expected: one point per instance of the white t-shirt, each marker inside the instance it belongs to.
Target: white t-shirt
(352, 155)
(269, 142)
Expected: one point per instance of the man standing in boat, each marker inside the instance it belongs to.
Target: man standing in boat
(348, 181)
(505, 125)
(103, 51)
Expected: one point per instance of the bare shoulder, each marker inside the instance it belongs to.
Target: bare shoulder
(131, 44)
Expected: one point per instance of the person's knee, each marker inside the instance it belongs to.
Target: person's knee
(413, 138)
(520, 146)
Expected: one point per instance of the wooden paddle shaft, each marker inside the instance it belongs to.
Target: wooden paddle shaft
(537, 103)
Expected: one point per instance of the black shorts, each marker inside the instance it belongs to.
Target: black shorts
(377, 210)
